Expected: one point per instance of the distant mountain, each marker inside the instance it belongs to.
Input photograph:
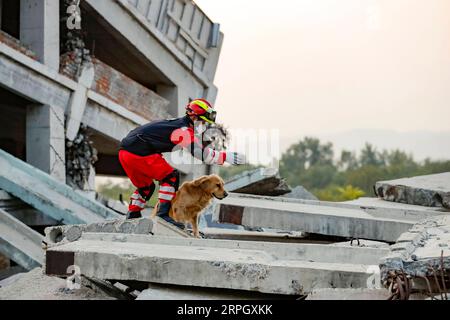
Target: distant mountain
(421, 144)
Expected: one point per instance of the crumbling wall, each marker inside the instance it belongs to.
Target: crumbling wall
(80, 158)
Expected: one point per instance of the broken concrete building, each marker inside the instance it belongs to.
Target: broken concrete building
(71, 89)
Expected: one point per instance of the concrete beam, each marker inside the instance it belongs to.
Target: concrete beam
(63, 234)
(46, 194)
(31, 83)
(430, 190)
(19, 242)
(292, 216)
(39, 29)
(202, 266)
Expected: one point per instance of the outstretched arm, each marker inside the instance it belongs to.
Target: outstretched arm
(187, 139)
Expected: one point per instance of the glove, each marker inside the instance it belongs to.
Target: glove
(235, 158)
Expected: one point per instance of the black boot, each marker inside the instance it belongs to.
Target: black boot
(134, 215)
(163, 213)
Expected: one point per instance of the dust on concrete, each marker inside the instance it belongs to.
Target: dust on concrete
(35, 285)
(253, 272)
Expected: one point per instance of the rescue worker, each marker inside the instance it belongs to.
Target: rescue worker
(141, 156)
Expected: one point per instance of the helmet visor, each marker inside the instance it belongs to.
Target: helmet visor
(209, 116)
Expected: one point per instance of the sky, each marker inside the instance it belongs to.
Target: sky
(336, 68)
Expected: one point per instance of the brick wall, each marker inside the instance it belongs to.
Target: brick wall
(120, 89)
(16, 45)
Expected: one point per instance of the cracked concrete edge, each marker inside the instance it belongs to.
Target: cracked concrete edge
(68, 233)
(402, 257)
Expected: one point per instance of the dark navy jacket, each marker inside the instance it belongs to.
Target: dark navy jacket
(159, 136)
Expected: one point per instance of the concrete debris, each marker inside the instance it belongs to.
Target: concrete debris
(264, 267)
(69, 233)
(80, 155)
(262, 181)
(430, 190)
(294, 216)
(34, 285)
(420, 253)
(300, 192)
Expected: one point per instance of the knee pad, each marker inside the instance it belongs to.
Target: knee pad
(169, 179)
(147, 192)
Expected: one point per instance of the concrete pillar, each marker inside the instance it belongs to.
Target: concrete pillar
(39, 29)
(45, 140)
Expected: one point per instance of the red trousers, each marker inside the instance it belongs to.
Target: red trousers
(142, 171)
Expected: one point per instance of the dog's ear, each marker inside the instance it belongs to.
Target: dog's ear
(199, 181)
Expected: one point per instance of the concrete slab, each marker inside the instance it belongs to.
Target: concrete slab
(48, 195)
(262, 181)
(280, 251)
(429, 190)
(19, 242)
(373, 206)
(242, 269)
(293, 216)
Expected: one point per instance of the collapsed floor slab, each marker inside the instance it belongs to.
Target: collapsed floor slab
(319, 219)
(261, 267)
(429, 190)
(262, 181)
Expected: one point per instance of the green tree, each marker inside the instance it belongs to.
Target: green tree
(308, 163)
(370, 156)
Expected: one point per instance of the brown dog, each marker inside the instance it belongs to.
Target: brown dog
(193, 197)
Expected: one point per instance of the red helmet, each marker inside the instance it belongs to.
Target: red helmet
(202, 109)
